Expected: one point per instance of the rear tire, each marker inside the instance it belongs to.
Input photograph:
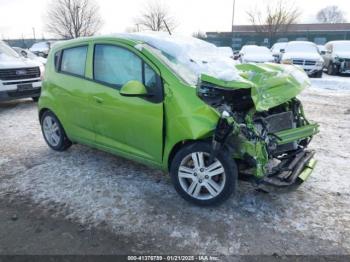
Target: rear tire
(53, 132)
(319, 74)
(332, 69)
(201, 182)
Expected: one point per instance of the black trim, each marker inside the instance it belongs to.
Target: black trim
(15, 94)
(61, 58)
(21, 82)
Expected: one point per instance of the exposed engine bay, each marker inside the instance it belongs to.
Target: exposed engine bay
(254, 137)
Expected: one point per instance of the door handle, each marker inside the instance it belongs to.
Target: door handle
(98, 99)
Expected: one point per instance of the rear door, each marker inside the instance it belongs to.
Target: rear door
(131, 125)
(71, 93)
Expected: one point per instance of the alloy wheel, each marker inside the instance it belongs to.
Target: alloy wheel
(51, 131)
(199, 178)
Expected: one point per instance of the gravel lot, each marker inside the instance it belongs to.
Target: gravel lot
(138, 205)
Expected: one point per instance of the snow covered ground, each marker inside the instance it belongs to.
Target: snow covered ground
(101, 190)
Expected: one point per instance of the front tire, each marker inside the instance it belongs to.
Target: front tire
(201, 182)
(53, 132)
(319, 74)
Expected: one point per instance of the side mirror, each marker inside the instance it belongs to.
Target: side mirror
(323, 52)
(133, 88)
(282, 51)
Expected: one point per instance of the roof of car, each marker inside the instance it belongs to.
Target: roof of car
(77, 41)
(338, 42)
(301, 42)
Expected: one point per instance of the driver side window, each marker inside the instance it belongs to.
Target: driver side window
(116, 66)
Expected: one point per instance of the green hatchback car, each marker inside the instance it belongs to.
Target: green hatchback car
(180, 105)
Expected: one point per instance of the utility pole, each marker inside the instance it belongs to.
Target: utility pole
(33, 28)
(233, 15)
(166, 26)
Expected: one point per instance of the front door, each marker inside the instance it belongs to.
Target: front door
(131, 125)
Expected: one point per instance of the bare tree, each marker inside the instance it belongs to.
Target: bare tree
(73, 18)
(156, 17)
(277, 17)
(331, 14)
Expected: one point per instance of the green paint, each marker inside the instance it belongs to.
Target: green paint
(133, 88)
(295, 134)
(98, 115)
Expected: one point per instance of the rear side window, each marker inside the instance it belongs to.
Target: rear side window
(116, 66)
(73, 60)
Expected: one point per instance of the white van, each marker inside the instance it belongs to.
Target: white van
(19, 77)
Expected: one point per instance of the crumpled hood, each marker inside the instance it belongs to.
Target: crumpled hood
(271, 84)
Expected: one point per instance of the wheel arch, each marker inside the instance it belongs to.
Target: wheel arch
(42, 111)
(180, 145)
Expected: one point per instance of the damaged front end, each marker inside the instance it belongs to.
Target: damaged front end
(262, 123)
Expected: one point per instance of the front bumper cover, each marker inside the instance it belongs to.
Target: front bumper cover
(15, 94)
(294, 171)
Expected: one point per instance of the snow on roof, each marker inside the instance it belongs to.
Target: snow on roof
(40, 47)
(199, 56)
(255, 49)
(279, 45)
(341, 45)
(301, 46)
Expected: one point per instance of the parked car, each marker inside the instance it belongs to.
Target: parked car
(321, 49)
(304, 54)
(42, 48)
(277, 50)
(19, 77)
(176, 104)
(28, 54)
(337, 57)
(255, 54)
(226, 50)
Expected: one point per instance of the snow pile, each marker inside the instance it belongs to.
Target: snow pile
(139, 203)
(298, 74)
(332, 83)
(190, 57)
(341, 46)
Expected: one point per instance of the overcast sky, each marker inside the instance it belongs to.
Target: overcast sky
(18, 17)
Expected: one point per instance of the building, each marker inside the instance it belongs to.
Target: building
(246, 34)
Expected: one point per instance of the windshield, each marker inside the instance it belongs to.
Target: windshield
(5, 49)
(188, 57)
(178, 68)
(342, 47)
(301, 47)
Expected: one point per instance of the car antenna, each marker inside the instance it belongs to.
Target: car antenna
(166, 26)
